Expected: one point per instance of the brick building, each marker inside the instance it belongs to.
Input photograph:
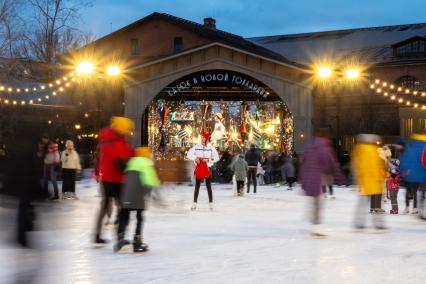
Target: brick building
(161, 51)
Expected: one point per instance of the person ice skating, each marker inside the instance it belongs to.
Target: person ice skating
(317, 168)
(385, 154)
(240, 169)
(370, 173)
(51, 165)
(70, 165)
(393, 184)
(140, 178)
(114, 152)
(288, 172)
(204, 156)
(413, 172)
(252, 158)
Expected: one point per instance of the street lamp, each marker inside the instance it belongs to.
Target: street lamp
(352, 74)
(113, 71)
(85, 68)
(324, 72)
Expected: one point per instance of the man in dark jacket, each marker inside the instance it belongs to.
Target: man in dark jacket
(252, 158)
(114, 152)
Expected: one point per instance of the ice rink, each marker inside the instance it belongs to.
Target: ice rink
(260, 238)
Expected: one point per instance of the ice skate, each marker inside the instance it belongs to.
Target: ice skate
(415, 211)
(211, 206)
(138, 245)
(120, 244)
(332, 197)
(65, 195)
(98, 240)
(406, 210)
(317, 232)
(194, 206)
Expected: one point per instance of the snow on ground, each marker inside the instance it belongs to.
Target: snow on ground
(260, 238)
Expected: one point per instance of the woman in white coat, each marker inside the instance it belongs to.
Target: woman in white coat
(70, 165)
(204, 156)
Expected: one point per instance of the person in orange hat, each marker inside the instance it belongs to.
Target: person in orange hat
(113, 153)
(204, 156)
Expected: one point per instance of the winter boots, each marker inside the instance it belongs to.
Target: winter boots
(194, 206)
(394, 211)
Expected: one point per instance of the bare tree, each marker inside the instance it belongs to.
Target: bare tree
(54, 28)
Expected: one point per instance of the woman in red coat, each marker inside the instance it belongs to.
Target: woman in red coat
(114, 152)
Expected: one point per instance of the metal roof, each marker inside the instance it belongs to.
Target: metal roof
(372, 45)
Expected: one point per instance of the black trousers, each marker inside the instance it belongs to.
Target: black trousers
(124, 221)
(197, 189)
(376, 201)
(394, 199)
(68, 180)
(240, 185)
(251, 177)
(110, 191)
(411, 192)
(290, 181)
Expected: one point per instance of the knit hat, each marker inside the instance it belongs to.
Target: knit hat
(53, 147)
(69, 143)
(368, 139)
(207, 135)
(122, 125)
(143, 152)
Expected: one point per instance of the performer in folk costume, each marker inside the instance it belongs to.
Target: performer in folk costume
(204, 156)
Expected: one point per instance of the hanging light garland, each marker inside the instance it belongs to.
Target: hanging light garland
(398, 93)
(57, 87)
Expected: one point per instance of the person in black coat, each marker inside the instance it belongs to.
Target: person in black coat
(252, 158)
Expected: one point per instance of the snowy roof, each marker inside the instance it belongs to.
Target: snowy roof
(373, 45)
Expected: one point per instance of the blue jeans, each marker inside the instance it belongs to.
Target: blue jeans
(51, 174)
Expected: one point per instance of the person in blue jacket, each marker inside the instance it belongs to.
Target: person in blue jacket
(413, 171)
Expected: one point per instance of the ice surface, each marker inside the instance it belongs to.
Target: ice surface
(260, 238)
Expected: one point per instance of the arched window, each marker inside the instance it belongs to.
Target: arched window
(409, 82)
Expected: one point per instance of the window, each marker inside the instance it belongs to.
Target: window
(415, 48)
(409, 82)
(178, 44)
(134, 46)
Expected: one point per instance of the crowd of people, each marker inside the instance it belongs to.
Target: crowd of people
(127, 177)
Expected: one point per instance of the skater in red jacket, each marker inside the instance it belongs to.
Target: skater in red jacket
(114, 152)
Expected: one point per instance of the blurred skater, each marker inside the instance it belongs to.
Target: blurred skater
(140, 179)
(115, 151)
(369, 171)
(317, 169)
(413, 163)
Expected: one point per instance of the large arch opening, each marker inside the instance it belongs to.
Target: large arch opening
(237, 109)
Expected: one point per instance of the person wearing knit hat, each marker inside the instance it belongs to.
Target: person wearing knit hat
(113, 153)
(204, 156)
(370, 172)
(140, 179)
(70, 165)
(51, 164)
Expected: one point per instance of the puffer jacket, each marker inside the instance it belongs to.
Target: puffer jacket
(113, 151)
(413, 159)
(240, 169)
(141, 177)
(369, 169)
(70, 160)
(252, 157)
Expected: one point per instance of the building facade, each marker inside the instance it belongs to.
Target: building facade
(165, 58)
